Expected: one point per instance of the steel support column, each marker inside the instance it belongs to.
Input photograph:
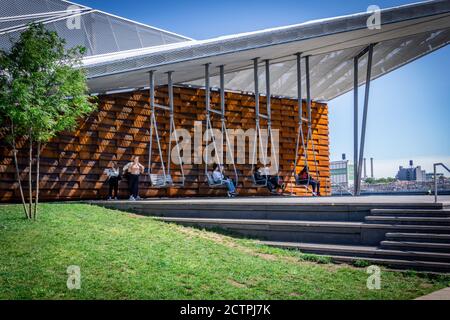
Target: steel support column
(364, 121)
(355, 124)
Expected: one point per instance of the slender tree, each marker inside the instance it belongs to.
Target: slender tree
(44, 92)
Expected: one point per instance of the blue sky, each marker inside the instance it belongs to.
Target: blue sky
(409, 110)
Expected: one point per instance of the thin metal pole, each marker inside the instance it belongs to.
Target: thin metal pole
(169, 152)
(355, 125)
(207, 103)
(308, 91)
(371, 168)
(268, 94)
(299, 88)
(152, 113)
(255, 69)
(366, 107)
(435, 184)
(207, 89)
(222, 90)
(256, 81)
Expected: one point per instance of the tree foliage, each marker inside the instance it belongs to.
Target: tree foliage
(43, 91)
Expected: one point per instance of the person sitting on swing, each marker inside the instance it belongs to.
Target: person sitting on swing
(219, 177)
(304, 178)
(273, 182)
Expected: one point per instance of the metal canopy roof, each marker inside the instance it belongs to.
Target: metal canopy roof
(99, 32)
(407, 33)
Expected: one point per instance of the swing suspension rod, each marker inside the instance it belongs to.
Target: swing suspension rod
(172, 131)
(209, 129)
(301, 120)
(308, 97)
(258, 136)
(154, 128)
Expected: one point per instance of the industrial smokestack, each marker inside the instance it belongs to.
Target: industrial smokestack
(344, 156)
(411, 163)
(365, 169)
(371, 168)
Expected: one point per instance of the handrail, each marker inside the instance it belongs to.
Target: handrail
(435, 179)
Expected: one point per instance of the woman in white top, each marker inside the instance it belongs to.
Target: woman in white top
(134, 170)
(113, 174)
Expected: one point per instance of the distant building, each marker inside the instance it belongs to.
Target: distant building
(411, 174)
(341, 173)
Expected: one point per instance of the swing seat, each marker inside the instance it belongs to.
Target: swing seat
(301, 182)
(305, 184)
(211, 182)
(160, 181)
(259, 183)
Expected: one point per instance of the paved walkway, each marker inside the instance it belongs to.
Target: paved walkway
(443, 294)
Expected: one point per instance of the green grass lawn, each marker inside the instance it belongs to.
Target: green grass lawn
(123, 256)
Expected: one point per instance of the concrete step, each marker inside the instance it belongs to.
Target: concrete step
(350, 233)
(416, 246)
(408, 220)
(282, 230)
(362, 251)
(282, 208)
(428, 266)
(411, 213)
(418, 237)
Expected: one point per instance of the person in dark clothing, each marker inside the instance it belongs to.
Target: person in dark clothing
(304, 178)
(113, 174)
(273, 182)
(133, 171)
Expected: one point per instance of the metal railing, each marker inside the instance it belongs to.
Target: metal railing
(342, 190)
(436, 180)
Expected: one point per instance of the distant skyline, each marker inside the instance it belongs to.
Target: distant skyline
(409, 109)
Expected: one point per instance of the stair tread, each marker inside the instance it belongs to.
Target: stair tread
(355, 249)
(307, 223)
(398, 262)
(418, 235)
(437, 219)
(412, 211)
(419, 244)
(264, 221)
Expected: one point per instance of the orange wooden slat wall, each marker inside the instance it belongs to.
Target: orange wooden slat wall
(72, 164)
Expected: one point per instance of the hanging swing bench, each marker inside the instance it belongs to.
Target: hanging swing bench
(263, 180)
(301, 139)
(163, 179)
(212, 183)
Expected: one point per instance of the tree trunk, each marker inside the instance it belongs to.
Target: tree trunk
(19, 181)
(30, 184)
(38, 159)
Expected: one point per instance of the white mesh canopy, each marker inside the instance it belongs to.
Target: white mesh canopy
(98, 31)
(121, 52)
(407, 33)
